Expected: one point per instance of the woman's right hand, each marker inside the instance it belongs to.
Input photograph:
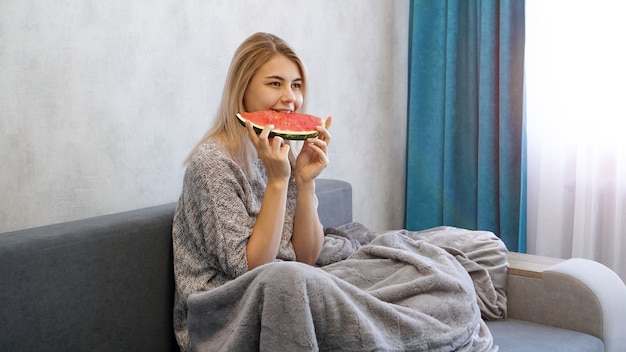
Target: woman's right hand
(273, 152)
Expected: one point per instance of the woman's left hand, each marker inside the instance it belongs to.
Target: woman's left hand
(313, 157)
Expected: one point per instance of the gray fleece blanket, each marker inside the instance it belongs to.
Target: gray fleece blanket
(371, 291)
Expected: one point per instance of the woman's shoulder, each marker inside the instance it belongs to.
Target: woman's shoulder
(211, 160)
(210, 152)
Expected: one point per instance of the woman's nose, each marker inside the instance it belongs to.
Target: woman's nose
(288, 95)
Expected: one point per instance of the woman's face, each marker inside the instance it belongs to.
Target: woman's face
(275, 86)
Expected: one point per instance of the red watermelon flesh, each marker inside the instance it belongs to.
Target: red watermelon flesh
(286, 125)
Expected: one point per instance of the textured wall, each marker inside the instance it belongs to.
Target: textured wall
(100, 101)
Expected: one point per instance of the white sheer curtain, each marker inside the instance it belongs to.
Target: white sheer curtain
(576, 129)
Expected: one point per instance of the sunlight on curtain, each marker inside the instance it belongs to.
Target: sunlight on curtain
(576, 130)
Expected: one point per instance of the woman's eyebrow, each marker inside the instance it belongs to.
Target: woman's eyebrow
(299, 79)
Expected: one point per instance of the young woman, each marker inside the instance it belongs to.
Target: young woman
(247, 200)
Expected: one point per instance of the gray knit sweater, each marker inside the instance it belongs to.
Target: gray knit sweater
(215, 215)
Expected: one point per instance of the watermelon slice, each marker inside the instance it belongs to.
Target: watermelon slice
(286, 125)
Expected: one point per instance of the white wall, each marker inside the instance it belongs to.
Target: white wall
(100, 101)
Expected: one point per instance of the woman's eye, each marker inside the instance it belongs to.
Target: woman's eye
(297, 85)
(274, 84)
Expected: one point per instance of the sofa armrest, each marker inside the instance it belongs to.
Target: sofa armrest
(576, 294)
(335, 202)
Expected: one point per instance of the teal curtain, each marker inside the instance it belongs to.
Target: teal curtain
(465, 147)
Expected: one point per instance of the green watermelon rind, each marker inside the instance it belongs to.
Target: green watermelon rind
(291, 135)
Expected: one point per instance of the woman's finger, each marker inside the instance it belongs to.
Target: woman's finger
(260, 140)
(328, 121)
(277, 143)
(319, 147)
(251, 133)
(266, 131)
(324, 134)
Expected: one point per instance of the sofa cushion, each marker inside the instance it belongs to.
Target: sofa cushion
(513, 335)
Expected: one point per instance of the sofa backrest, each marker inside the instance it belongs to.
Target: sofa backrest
(104, 283)
(98, 284)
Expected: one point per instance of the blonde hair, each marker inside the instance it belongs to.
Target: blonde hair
(253, 53)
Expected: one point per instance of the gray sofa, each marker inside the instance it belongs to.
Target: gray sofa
(106, 284)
